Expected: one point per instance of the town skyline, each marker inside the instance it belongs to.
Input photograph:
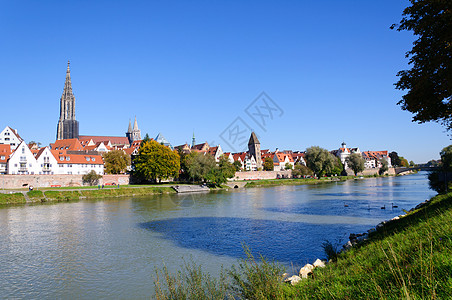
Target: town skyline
(317, 75)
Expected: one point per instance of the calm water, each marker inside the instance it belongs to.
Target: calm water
(110, 248)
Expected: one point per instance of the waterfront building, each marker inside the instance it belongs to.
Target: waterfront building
(254, 150)
(46, 163)
(78, 162)
(68, 126)
(9, 136)
(216, 152)
(5, 152)
(345, 152)
(22, 161)
(373, 159)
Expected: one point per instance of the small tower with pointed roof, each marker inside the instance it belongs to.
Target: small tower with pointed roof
(193, 140)
(254, 149)
(68, 126)
(133, 134)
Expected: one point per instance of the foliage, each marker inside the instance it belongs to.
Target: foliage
(403, 162)
(116, 162)
(92, 178)
(288, 166)
(412, 164)
(35, 195)
(256, 279)
(395, 159)
(189, 283)
(198, 166)
(237, 165)
(268, 164)
(220, 174)
(384, 166)
(330, 250)
(146, 139)
(338, 168)
(320, 160)
(155, 162)
(355, 162)
(301, 170)
(429, 81)
(440, 179)
(62, 195)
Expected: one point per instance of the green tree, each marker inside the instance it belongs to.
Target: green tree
(403, 162)
(155, 162)
(220, 174)
(355, 162)
(288, 166)
(338, 168)
(237, 165)
(429, 81)
(268, 164)
(440, 179)
(199, 166)
(395, 159)
(412, 164)
(301, 170)
(384, 166)
(116, 162)
(320, 160)
(92, 178)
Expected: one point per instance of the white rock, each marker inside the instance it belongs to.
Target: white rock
(293, 280)
(307, 269)
(319, 263)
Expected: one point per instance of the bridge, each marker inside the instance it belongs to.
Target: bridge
(403, 170)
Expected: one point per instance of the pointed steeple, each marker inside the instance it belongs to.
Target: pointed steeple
(253, 139)
(193, 140)
(67, 125)
(129, 130)
(135, 124)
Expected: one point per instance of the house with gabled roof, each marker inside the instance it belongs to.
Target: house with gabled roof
(216, 152)
(5, 152)
(67, 144)
(46, 163)
(9, 136)
(373, 159)
(204, 147)
(71, 162)
(22, 161)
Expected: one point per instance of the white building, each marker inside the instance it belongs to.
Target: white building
(46, 162)
(10, 136)
(22, 161)
(78, 163)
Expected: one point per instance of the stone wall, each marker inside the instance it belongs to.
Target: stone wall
(254, 175)
(20, 181)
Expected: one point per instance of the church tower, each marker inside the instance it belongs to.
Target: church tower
(133, 134)
(67, 124)
(254, 149)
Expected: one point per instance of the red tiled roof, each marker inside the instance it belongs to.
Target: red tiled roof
(67, 144)
(114, 140)
(5, 150)
(81, 158)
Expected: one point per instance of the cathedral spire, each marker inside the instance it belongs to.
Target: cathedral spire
(135, 124)
(67, 125)
(130, 127)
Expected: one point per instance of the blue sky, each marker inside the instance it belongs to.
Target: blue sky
(178, 66)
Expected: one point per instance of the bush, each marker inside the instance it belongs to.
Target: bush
(92, 178)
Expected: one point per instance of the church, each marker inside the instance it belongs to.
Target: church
(68, 126)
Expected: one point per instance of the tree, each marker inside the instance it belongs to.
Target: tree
(238, 165)
(199, 165)
(412, 164)
(403, 162)
(355, 162)
(384, 166)
(301, 170)
(440, 179)
(92, 178)
(155, 162)
(395, 160)
(220, 174)
(268, 164)
(116, 162)
(288, 166)
(320, 160)
(338, 168)
(429, 81)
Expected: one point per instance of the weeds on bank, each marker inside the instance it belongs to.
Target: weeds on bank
(12, 198)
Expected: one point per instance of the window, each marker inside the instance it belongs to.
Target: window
(61, 158)
(2, 157)
(93, 159)
(23, 150)
(87, 159)
(68, 158)
(6, 139)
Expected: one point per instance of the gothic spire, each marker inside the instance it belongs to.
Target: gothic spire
(130, 127)
(135, 124)
(67, 92)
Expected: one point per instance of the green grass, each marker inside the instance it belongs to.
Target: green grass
(103, 193)
(12, 198)
(62, 195)
(35, 196)
(410, 258)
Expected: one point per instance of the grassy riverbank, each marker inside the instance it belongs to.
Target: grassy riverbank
(409, 258)
(57, 194)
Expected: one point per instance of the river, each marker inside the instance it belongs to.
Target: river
(110, 248)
